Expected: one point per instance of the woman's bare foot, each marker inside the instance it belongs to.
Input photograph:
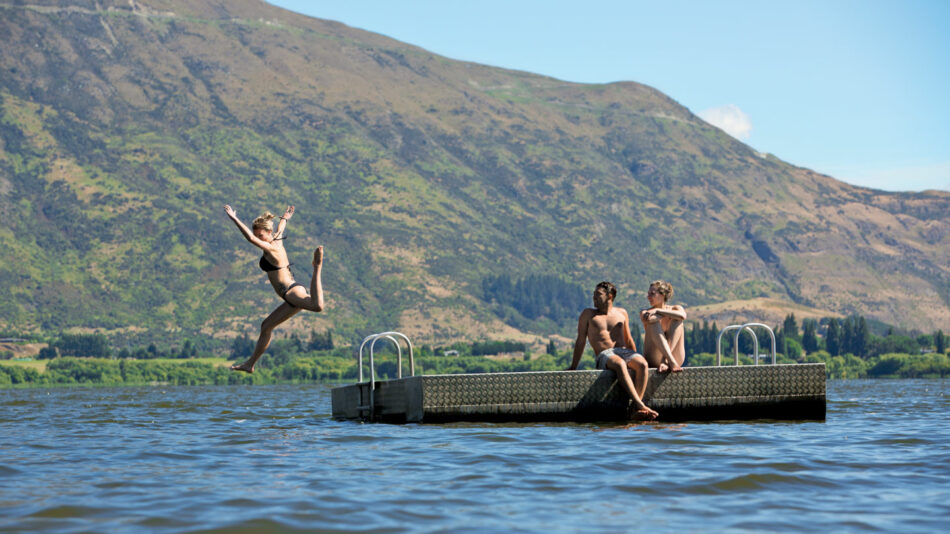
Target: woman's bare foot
(663, 368)
(243, 368)
(644, 414)
(318, 256)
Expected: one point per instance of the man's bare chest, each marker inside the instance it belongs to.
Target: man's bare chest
(606, 323)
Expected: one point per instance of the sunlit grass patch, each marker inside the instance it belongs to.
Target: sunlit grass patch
(38, 365)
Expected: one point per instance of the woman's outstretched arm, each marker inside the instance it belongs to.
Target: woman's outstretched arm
(248, 234)
(282, 225)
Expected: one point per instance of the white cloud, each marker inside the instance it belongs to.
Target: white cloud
(730, 119)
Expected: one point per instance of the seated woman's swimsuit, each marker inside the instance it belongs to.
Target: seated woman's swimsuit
(267, 267)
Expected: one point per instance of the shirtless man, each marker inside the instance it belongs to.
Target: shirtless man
(663, 344)
(607, 328)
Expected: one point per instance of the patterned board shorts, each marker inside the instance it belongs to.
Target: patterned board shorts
(623, 352)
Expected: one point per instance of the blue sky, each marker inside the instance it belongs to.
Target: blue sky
(859, 90)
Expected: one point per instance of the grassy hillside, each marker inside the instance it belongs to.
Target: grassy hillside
(125, 127)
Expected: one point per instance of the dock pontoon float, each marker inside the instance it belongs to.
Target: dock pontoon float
(720, 392)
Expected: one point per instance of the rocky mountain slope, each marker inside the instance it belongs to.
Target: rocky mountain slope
(125, 127)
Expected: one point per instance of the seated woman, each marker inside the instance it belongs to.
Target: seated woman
(275, 263)
(663, 331)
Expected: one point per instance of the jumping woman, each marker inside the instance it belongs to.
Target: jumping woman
(274, 262)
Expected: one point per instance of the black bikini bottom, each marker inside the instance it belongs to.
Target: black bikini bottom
(284, 294)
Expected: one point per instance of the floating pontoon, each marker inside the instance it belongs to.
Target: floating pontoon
(768, 391)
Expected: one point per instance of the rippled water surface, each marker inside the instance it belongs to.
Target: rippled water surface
(270, 459)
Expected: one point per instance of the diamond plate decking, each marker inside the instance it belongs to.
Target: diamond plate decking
(698, 393)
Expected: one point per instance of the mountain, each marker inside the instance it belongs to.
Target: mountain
(126, 126)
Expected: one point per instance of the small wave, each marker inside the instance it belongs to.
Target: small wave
(492, 437)
(7, 471)
(257, 525)
(899, 441)
(164, 455)
(69, 512)
(783, 467)
(761, 481)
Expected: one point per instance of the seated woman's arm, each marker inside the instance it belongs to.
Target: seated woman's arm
(674, 312)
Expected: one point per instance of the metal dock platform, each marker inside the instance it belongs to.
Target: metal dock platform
(790, 392)
(698, 393)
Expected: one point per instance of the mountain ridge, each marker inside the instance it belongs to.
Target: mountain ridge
(124, 129)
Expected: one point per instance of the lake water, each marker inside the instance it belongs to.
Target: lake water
(270, 459)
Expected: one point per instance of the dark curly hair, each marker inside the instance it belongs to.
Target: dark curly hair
(609, 288)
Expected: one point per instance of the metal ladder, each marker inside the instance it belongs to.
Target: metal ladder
(739, 328)
(371, 340)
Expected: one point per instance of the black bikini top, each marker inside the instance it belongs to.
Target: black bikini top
(267, 266)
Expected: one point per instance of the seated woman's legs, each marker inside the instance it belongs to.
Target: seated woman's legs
(656, 347)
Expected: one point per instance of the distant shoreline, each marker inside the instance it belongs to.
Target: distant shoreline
(326, 369)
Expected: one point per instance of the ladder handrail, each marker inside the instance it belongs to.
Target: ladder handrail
(372, 346)
(719, 343)
(372, 339)
(771, 335)
(739, 328)
(366, 340)
(755, 342)
(388, 335)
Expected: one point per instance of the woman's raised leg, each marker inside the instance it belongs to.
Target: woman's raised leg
(314, 301)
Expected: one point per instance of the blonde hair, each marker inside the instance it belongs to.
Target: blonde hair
(663, 288)
(265, 221)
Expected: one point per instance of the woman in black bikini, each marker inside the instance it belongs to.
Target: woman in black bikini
(275, 263)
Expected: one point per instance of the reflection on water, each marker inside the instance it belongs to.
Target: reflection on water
(269, 458)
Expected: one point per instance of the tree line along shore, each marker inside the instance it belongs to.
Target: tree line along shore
(846, 346)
